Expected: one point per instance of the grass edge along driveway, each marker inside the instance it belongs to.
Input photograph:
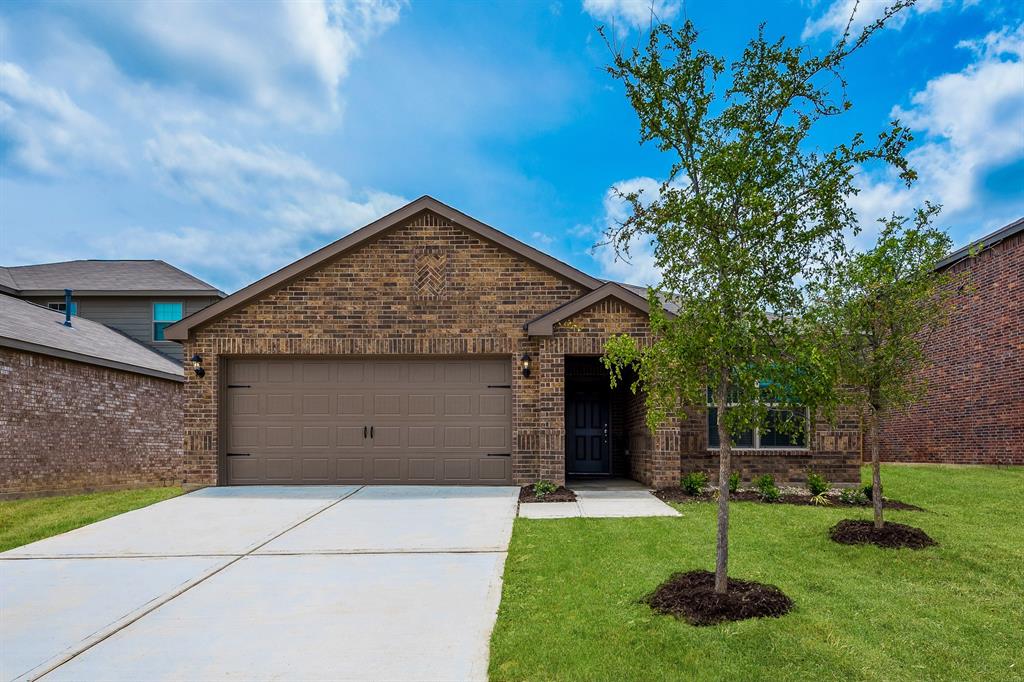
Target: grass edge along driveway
(571, 610)
(27, 520)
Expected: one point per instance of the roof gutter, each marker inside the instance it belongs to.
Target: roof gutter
(17, 344)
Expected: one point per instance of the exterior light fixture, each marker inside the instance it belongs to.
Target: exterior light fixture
(525, 360)
(197, 365)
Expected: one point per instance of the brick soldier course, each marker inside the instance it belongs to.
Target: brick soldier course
(429, 281)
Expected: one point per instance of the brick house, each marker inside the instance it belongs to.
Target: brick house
(82, 407)
(428, 347)
(973, 409)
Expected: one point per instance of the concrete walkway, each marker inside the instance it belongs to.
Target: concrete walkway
(601, 498)
(334, 582)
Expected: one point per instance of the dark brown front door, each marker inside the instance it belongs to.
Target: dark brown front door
(586, 429)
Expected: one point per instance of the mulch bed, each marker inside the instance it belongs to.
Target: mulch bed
(677, 494)
(891, 535)
(563, 494)
(692, 597)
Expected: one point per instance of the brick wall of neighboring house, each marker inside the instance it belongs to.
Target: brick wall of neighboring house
(973, 411)
(834, 453)
(67, 426)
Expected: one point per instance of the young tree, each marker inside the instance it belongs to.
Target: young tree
(875, 314)
(749, 213)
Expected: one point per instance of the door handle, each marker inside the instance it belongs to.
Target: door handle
(371, 432)
(604, 433)
(364, 432)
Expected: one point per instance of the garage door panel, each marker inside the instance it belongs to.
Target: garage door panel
(495, 469)
(280, 404)
(316, 437)
(280, 436)
(316, 405)
(350, 437)
(308, 421)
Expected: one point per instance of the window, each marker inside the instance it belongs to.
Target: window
(60, 307)
(767, 438)
(164, 315)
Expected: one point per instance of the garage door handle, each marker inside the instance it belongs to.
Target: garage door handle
(364, 432)
(371, 432)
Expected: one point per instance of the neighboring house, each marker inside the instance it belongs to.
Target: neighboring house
(82, 407)
(428, 347)
(137, 297)
(973, 411)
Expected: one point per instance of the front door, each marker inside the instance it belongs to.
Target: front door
(586, 429)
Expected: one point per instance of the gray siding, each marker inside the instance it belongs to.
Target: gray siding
(132, 315)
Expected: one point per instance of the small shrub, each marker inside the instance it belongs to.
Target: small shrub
(734, 481)
(766, 488)
(868, 491)
(694, 482)
(852, 496)
(542, 489)
(817, 484)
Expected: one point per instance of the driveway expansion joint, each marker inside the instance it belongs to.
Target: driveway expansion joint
(48, 667)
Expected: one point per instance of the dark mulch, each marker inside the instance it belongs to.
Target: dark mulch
(692, 597)
(892, 535)
(677, 494)
(563, 494)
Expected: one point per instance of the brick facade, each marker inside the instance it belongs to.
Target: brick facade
(834, 453)
(70, 427)
(428, 287)
(973, 410)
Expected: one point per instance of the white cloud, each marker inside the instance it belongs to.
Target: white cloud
(283, 61)
(973, 122)
(627, 14)
(280, 206)
(637, 266)
(838, 13)
(44, 132)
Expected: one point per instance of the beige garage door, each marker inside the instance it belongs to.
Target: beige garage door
(369, 421)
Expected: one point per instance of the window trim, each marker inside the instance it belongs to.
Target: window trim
(757, 433)
(153, 321)
(74, 307)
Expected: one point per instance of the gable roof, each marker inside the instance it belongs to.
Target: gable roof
(35, 328)
(544, 325)
(104, 278)
(179, 331)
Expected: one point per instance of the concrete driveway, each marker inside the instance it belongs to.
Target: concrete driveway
(312, 583)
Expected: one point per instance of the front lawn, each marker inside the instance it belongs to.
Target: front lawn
(25, 521)
(571, 608)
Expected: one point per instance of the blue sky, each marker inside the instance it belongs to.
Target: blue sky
(231, 139)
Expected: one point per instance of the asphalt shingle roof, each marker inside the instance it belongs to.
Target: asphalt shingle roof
(102, 275)
(33, 327)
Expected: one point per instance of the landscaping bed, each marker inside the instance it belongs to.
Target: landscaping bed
(677, 494)
(692, 597)
(891, 535)
(561, 494)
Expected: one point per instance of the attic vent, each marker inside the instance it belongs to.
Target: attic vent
(431, 277)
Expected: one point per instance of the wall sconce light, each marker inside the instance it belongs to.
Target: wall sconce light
(525, 360)
(197, 365)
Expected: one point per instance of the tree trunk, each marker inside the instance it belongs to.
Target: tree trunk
(724, 470)
(876, 468)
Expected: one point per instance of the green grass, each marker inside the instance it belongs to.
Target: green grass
(25, 521)
(571, 606)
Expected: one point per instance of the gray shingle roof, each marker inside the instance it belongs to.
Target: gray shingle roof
(32, 327)
(121, 276)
